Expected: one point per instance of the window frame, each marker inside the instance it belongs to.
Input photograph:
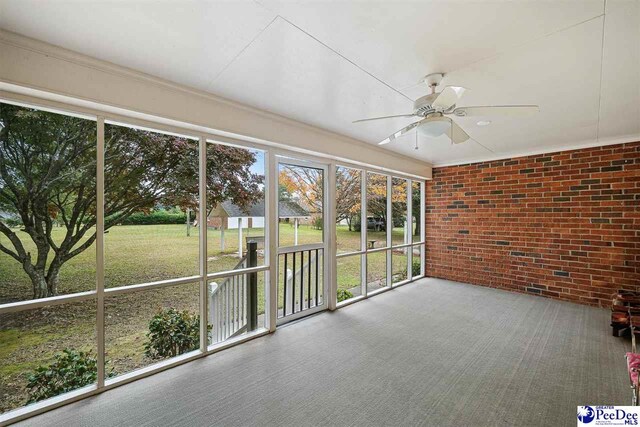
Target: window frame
(365, 250)
(204, 136)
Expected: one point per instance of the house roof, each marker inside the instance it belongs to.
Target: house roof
(288, 209)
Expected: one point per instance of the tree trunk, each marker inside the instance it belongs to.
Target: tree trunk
(40, 289)
(38, 281)
(53, 278)
(44, 285)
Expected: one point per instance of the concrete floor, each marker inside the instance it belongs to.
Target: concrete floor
(432, 352)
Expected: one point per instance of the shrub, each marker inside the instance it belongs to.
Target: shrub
(357, 226)
(157, 216)
(317, 223)
(172, 332)
(160, 216)
(12, 222)
(70, 370)
(344, 295)
(415, 267)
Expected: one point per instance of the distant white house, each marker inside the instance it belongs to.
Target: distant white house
(228, 216)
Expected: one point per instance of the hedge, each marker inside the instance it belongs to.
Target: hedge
(157, 217)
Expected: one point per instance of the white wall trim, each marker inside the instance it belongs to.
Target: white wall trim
(549, 150)
(40, 69)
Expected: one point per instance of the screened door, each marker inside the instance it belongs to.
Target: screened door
(302, 242)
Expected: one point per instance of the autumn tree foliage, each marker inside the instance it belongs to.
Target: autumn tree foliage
(377, 196)
(48, 178)
(302, 184)
(348, 190)
(305, 185)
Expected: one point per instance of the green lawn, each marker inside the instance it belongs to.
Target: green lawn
(137, 254)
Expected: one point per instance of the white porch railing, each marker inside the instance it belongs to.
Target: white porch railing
(233, 302)
(302, 287)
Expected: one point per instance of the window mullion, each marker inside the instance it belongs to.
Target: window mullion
(363, 231)
(202, 261)
(409, 230)
(100, 252)
(389, 228)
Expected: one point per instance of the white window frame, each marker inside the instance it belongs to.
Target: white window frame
(325, 245)
(364, 250)
(271, 154)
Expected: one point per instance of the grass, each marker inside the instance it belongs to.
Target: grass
(136, 254)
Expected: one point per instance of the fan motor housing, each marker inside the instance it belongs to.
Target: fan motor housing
(422, 105)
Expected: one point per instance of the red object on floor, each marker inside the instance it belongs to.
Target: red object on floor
(633, 366)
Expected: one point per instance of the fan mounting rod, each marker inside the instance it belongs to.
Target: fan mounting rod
(433, 80)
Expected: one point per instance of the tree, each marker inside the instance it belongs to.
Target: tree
(48, 176)
(305, 184)
(348, 203)
(415, 208)
(399, 193)
(377, 196)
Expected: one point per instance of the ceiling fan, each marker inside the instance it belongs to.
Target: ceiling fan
(434, 108)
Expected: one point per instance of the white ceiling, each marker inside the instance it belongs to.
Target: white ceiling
(329, 63)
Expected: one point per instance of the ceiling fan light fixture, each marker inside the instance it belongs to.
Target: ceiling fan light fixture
(484, 123)
(434, 128)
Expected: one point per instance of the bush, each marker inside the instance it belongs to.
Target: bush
(172, 332)
(344, 295)
(317, 223)
(155, 217)
(71, 370)
(158, 216)
(12, 222)
(415, 267)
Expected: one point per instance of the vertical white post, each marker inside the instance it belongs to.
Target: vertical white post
(295, 231)
(240, 237)
(389, 229)
(405, 231)
(100, 251)
(271, 243)
(363, 230)
(423, 227)
(409, 229)
(330, 235)
(202, 211)
(222, 226)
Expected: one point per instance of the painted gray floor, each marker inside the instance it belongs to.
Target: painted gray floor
(429, 353)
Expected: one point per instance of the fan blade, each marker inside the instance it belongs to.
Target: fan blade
(401, 132)
(384, 117)
(497, 110)
(457, 135)
(448, 97)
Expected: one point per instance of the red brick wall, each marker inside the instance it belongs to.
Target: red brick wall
(562, 225)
